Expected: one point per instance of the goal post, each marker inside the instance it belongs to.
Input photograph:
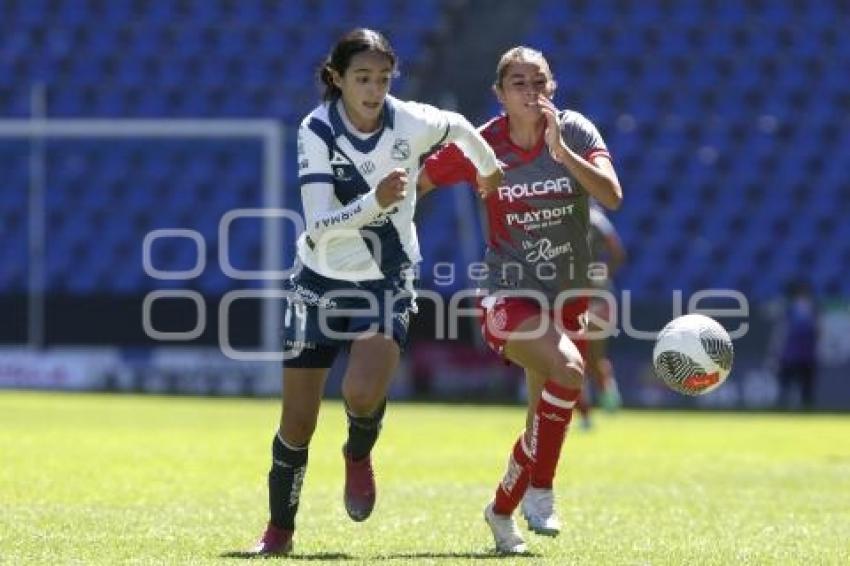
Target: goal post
(38, 130)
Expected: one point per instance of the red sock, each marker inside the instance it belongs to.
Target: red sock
(513, 485)
(549, 427)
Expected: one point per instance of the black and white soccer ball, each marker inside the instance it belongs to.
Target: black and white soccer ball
(693, 354)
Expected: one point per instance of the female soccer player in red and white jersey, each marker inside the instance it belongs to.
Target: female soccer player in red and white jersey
(538, 259)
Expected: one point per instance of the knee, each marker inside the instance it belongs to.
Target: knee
(361, 401)
(568, 371)
(296, 429)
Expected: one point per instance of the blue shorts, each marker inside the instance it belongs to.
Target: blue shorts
(323, 315)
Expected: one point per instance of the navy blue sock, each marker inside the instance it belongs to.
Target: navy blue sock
(289, 464)
(363, 432)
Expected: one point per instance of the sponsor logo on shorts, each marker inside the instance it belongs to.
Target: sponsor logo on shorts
(312, 298)
(500, 319)
(299, 345)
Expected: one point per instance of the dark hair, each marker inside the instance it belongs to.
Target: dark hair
(354, 42)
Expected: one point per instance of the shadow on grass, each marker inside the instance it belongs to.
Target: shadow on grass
(295, 556)
(483, 555)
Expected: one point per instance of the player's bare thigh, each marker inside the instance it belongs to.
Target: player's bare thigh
(552, 355)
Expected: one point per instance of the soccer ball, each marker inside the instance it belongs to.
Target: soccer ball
(693, 354)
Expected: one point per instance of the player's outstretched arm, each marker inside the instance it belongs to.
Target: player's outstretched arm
(467, 158)
(448, 167)
(477, 150)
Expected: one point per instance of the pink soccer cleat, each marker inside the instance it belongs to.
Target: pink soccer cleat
(359, 487)
(275, 542)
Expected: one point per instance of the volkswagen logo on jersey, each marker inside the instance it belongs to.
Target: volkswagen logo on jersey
(367, 167)
(401, 150)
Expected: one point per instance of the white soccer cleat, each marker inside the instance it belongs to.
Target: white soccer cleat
(538, 508)
(505, 532)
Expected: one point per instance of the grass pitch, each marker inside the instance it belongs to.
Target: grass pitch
(103, 479)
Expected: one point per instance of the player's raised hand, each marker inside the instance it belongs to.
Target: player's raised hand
(553, 130)
(490, 183)
(392, 188)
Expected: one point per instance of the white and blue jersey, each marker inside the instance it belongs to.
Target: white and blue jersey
(350, 245)
(348, 235)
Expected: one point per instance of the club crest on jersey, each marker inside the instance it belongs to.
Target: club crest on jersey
(401, 150)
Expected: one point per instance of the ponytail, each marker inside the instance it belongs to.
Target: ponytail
(330, 90)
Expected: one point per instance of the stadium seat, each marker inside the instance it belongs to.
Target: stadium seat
(160, 60)
(721, 126)
(712, 145)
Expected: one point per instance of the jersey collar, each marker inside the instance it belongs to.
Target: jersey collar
(363, 145)
(525, 155)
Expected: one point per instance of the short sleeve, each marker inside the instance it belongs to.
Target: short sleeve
(435, 122)
(314, 165)
(582, 136)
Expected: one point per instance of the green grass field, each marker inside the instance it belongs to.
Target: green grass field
(102, 479)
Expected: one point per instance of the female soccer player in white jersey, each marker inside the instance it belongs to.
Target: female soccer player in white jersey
(359, 155)
(538, 224)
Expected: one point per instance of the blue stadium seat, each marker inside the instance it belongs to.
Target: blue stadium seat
(668, 84)
(731, 95)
